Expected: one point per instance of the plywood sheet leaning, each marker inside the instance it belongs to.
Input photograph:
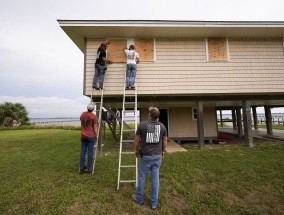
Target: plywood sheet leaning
(145, 49)
(217, 48)
(115, 50)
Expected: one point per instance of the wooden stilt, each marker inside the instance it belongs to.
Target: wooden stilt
(255, 122)
(200, 125)
(247, 124)
(268, 119)
(239, 123)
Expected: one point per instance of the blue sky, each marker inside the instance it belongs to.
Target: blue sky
(43, 69)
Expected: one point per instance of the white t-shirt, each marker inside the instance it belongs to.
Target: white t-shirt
(131, 56)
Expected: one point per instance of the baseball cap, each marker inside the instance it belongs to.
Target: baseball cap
(103, 45)
(91, 106)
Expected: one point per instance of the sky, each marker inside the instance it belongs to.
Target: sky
(42, 68)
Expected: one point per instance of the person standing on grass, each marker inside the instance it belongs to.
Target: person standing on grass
(89, 133)
(132, 58)
(150, 146)
(100, 66)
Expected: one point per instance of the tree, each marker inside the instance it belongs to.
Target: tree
(9, 113)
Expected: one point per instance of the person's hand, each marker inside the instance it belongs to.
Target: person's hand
(107, 43)
(109, 61)
(163, 154)
(137, 154)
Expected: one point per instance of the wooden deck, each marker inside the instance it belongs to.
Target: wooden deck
(172, 147)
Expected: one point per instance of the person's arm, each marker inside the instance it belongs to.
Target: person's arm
(96, 129)
(137, 140)
(137, 60)
(164, 145)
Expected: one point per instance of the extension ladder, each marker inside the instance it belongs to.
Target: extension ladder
(129, 106)
(98, 146)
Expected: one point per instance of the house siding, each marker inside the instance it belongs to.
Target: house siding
(181, 67)
(181, 124)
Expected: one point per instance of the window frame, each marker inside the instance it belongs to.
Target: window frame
(207, 51)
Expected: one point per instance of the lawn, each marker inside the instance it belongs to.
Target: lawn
(39, 175)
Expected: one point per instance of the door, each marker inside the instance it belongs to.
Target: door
(164, 118)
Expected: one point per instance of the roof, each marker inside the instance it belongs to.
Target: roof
(78, 30)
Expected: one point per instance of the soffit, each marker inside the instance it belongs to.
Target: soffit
(79, 30)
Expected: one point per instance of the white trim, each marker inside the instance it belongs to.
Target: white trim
(283, 42)
(129, 41)
(228, 50)
(206, 49)
(154, 49)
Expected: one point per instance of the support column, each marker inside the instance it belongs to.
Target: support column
(268, 119)
(234, 119)
(221, 118)
(200, 124)
(255, 122)
(247, 124)
(239, 123)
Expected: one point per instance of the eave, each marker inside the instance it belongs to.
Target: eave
(78, 30)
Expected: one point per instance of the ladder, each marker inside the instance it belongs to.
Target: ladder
(129, 106)
(97, 146)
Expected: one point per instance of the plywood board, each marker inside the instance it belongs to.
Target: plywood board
(115, 50)
(217, 48)
(145, 49)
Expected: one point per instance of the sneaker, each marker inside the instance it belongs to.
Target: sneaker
(127, 88)
(101, 88)
(89, 171)
(153, 208)
(133, 87)
(134, 199)
(81, 171)
(95, 87)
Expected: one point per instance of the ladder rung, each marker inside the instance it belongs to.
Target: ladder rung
(128, 166)
(127, 141)
(127, 181)
(129, 129)
(128, 103)
(127, 153)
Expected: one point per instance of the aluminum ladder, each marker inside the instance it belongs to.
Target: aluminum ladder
(99, 106)
(129, 107)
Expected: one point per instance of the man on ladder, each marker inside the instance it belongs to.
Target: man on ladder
(150, 146)
(132, 59)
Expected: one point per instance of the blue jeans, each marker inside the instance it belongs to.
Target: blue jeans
(153, 164)
(87, 144)
(130, 72)
(99, 70)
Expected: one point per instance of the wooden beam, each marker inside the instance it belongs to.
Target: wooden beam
(239, 123)
(255, 122)
(200, 124)
(247, 124)
(268, 119)
(234, 119)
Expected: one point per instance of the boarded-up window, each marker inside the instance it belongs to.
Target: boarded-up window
(115, 50)
(217, 49)
(145, 49)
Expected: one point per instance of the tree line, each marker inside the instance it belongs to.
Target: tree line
(13, 114)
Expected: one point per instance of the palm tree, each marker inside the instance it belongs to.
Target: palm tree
(11, 113)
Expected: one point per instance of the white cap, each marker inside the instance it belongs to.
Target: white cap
(91, 106)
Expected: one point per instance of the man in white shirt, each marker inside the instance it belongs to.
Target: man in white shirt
(132, 60)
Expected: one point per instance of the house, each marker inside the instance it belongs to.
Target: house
(189, 69)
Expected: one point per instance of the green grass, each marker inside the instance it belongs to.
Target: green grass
(39, 175)
(279, 127)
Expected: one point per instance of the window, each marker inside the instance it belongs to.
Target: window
(145, 49)
(115, 50)
(194, 114)
(217, 49)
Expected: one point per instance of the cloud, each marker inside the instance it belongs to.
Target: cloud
(50, 107)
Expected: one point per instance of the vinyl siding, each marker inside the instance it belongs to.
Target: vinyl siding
(181, 124)
(255, 66)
